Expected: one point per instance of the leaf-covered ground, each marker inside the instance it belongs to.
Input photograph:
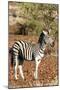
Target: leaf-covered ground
(48, 69)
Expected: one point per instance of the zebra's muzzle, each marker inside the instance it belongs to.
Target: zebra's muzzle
(53, 43)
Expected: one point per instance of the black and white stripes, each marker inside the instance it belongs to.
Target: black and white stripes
(26, 51)
(23, 48)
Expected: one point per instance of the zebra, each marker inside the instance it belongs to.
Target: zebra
(27, 51)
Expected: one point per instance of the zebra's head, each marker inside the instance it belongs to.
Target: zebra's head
(45, 39)
(50, 40)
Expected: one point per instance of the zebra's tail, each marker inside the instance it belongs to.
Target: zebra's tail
(11, 56)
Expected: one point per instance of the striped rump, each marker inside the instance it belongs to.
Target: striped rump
(23, 48)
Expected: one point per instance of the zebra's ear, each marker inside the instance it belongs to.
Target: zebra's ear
(49, 31)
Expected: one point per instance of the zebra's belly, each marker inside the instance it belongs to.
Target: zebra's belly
(28, 58)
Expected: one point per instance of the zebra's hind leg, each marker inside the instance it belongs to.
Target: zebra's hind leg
(21, 71)
(21, 60)
(15, 67)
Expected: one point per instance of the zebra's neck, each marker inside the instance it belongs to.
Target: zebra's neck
(42, 47)
(37, 47)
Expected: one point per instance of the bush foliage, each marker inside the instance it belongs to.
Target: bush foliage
(38, 16)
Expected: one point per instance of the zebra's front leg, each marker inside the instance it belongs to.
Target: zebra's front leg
(36, 69)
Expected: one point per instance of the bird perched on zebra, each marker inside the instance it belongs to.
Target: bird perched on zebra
(22, 50)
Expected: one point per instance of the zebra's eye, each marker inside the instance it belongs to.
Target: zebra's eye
(38, 60)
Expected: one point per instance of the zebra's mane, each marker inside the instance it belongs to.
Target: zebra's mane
(41, 38)
(40, 43)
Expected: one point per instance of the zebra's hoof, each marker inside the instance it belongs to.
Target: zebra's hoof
(16, 78)
(22, 78)
(35, 76)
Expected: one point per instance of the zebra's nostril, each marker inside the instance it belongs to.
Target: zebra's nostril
(53, 44)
